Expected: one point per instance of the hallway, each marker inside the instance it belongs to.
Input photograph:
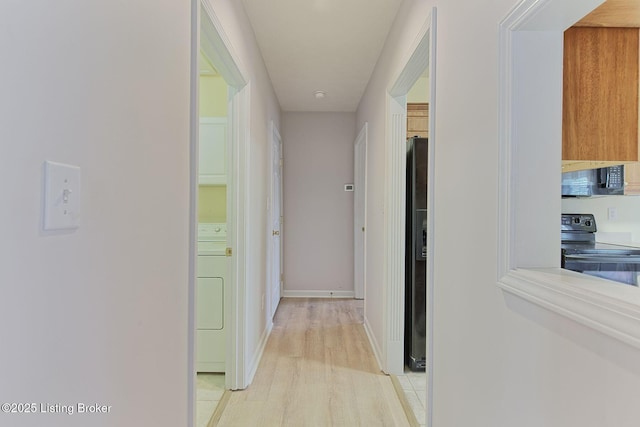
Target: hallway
(317, 370)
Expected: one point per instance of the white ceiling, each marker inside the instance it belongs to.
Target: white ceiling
(327, 45)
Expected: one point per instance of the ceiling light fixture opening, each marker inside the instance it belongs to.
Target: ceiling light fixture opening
(319, 94)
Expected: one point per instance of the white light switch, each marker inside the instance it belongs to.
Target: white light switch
(61, 196)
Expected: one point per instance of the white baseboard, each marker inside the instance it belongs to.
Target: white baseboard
(255, 361)
(319, 294)
(374, 344)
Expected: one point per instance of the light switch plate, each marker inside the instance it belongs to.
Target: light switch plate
(61, 196)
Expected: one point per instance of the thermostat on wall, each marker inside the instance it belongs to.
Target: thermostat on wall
(348, 187)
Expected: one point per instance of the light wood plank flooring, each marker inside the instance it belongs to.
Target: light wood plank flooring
(318, 369)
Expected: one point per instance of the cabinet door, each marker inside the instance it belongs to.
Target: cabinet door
(210, 303)
(632, 179)
(212, 158)
(600, 94)
(418, 120)
(210, 352)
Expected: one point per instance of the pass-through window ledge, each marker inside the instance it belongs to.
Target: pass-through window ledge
(608, 307)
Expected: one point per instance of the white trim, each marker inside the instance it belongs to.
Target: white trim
(581, 298)
(609, 308)
(274, 138)
(217, 47)
(505, 155)
(238, 239)
(431, 222)
(255, 362)
(360, 283)
(417, 58)
(194, 127)
(372, 341)
(395, 202)
(318, 294)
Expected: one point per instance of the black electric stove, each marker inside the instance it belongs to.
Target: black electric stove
(581, 253)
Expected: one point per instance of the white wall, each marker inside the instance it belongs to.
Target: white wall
(625, 228)
(264, 109)
(97, 315)
(498, 361)
(318, 213)
(419, 92)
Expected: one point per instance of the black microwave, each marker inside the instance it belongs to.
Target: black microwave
(593, 182)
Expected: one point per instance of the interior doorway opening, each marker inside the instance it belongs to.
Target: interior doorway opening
(421, 57)
(416, 226)
(224, 173)
(275, 261)
(360, 213)
(211, 235)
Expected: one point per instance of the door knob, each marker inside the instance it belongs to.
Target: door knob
(275, 233)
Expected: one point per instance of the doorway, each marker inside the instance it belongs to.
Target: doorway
(414, 380)
(275, 261)
(421, 57)
(211, 283)
(360, 212)
(210, 44)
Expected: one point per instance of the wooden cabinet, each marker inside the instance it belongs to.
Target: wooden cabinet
(600, 97)
(212, 158)
(632, 179)
(418, 120)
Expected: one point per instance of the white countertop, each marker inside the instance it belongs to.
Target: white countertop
(617, 238)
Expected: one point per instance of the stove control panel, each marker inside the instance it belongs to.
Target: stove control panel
(579, 222)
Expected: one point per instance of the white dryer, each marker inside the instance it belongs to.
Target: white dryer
(211, 268)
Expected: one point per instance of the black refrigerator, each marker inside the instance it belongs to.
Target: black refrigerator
(416, 254)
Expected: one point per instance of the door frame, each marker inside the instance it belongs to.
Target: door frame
(360, 163)
(275, 138)
(420, 56)
(211, 38)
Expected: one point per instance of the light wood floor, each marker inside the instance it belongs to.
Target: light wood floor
(317, 370)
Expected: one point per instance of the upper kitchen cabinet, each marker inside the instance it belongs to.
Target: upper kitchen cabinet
(418, 120)
(600, 97)
(212, 159)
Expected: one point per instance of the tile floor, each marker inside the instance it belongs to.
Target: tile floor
(414, 385)
(209, 390)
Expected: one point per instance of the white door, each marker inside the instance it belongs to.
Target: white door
(276, 261)
(359, 219)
